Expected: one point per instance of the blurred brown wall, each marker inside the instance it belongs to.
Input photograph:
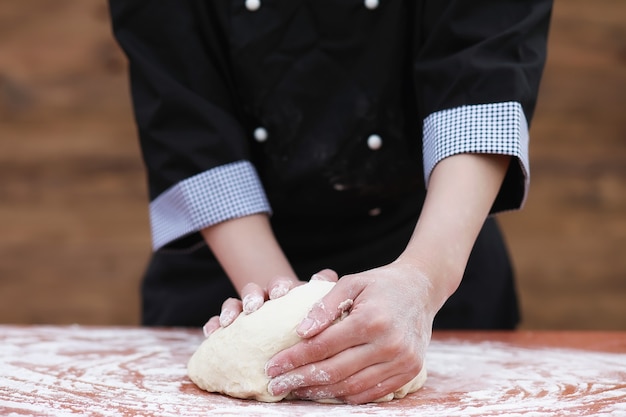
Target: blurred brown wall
(74, 234)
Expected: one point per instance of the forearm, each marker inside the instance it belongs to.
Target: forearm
(461, 191)
(248, 251)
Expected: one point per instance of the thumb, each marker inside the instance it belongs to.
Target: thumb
(326, 311)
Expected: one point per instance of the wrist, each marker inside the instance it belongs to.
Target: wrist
(248, 251)
(461, 191)
(440, 278)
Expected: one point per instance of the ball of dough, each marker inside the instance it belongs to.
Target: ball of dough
(232, 359)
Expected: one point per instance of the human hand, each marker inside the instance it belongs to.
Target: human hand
(253, 296)
(375, 350)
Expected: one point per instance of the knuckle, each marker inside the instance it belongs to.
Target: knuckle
(373, 324)
(317, 349)
(376, 323)
(413, 366)
(319, 376)
(394, 345)
(353, 386)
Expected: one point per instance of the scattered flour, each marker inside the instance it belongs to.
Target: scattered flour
(62, 371)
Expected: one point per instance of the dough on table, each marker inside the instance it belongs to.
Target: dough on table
(232, 359)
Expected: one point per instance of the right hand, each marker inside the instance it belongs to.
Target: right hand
(253, 296)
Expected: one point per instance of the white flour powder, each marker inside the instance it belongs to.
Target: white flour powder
(141, 372)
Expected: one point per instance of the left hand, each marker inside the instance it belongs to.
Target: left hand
(253, 297)
(375, 350)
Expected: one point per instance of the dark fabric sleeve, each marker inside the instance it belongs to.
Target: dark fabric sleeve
(481, 51)
(475, 63)
(180, 86)
(194, 146)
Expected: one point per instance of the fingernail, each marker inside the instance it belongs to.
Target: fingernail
(251, 303)
(278, 291)
(274, 369)
(317, 277)
(305, 326)
(205, 330)
(226, 317)
(284, 384)
(271, 369)
(277, 387)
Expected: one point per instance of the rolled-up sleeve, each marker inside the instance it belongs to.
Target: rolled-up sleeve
(193, 144)
(477, 68)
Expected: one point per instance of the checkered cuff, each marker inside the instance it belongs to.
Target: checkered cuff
(225, 192)
(495, 128)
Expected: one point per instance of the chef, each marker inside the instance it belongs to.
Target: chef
(369, 141)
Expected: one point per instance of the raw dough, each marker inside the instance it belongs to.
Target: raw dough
(232, 359)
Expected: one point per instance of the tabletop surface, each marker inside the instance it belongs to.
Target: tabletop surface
(113, 371)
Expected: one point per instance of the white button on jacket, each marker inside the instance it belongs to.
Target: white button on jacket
(374, 212)
(253, 5)
(371, 4)
(374, 142)
(260, 134)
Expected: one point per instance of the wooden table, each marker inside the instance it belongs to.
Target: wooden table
(110, 371)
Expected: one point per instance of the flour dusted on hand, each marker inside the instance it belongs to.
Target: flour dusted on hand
(232, 359)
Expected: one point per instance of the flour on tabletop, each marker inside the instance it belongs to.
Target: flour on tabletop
(113, 371)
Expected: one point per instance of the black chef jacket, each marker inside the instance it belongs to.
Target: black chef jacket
(335, 112)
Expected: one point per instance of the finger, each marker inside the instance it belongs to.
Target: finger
(330, 307)
(212, 325)
(337, 338)
(381, 391)
(325, 275)
(230, 310)
(376, 382)
(253, 297)
(328, 372)
(370, 384)
(280, 286)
